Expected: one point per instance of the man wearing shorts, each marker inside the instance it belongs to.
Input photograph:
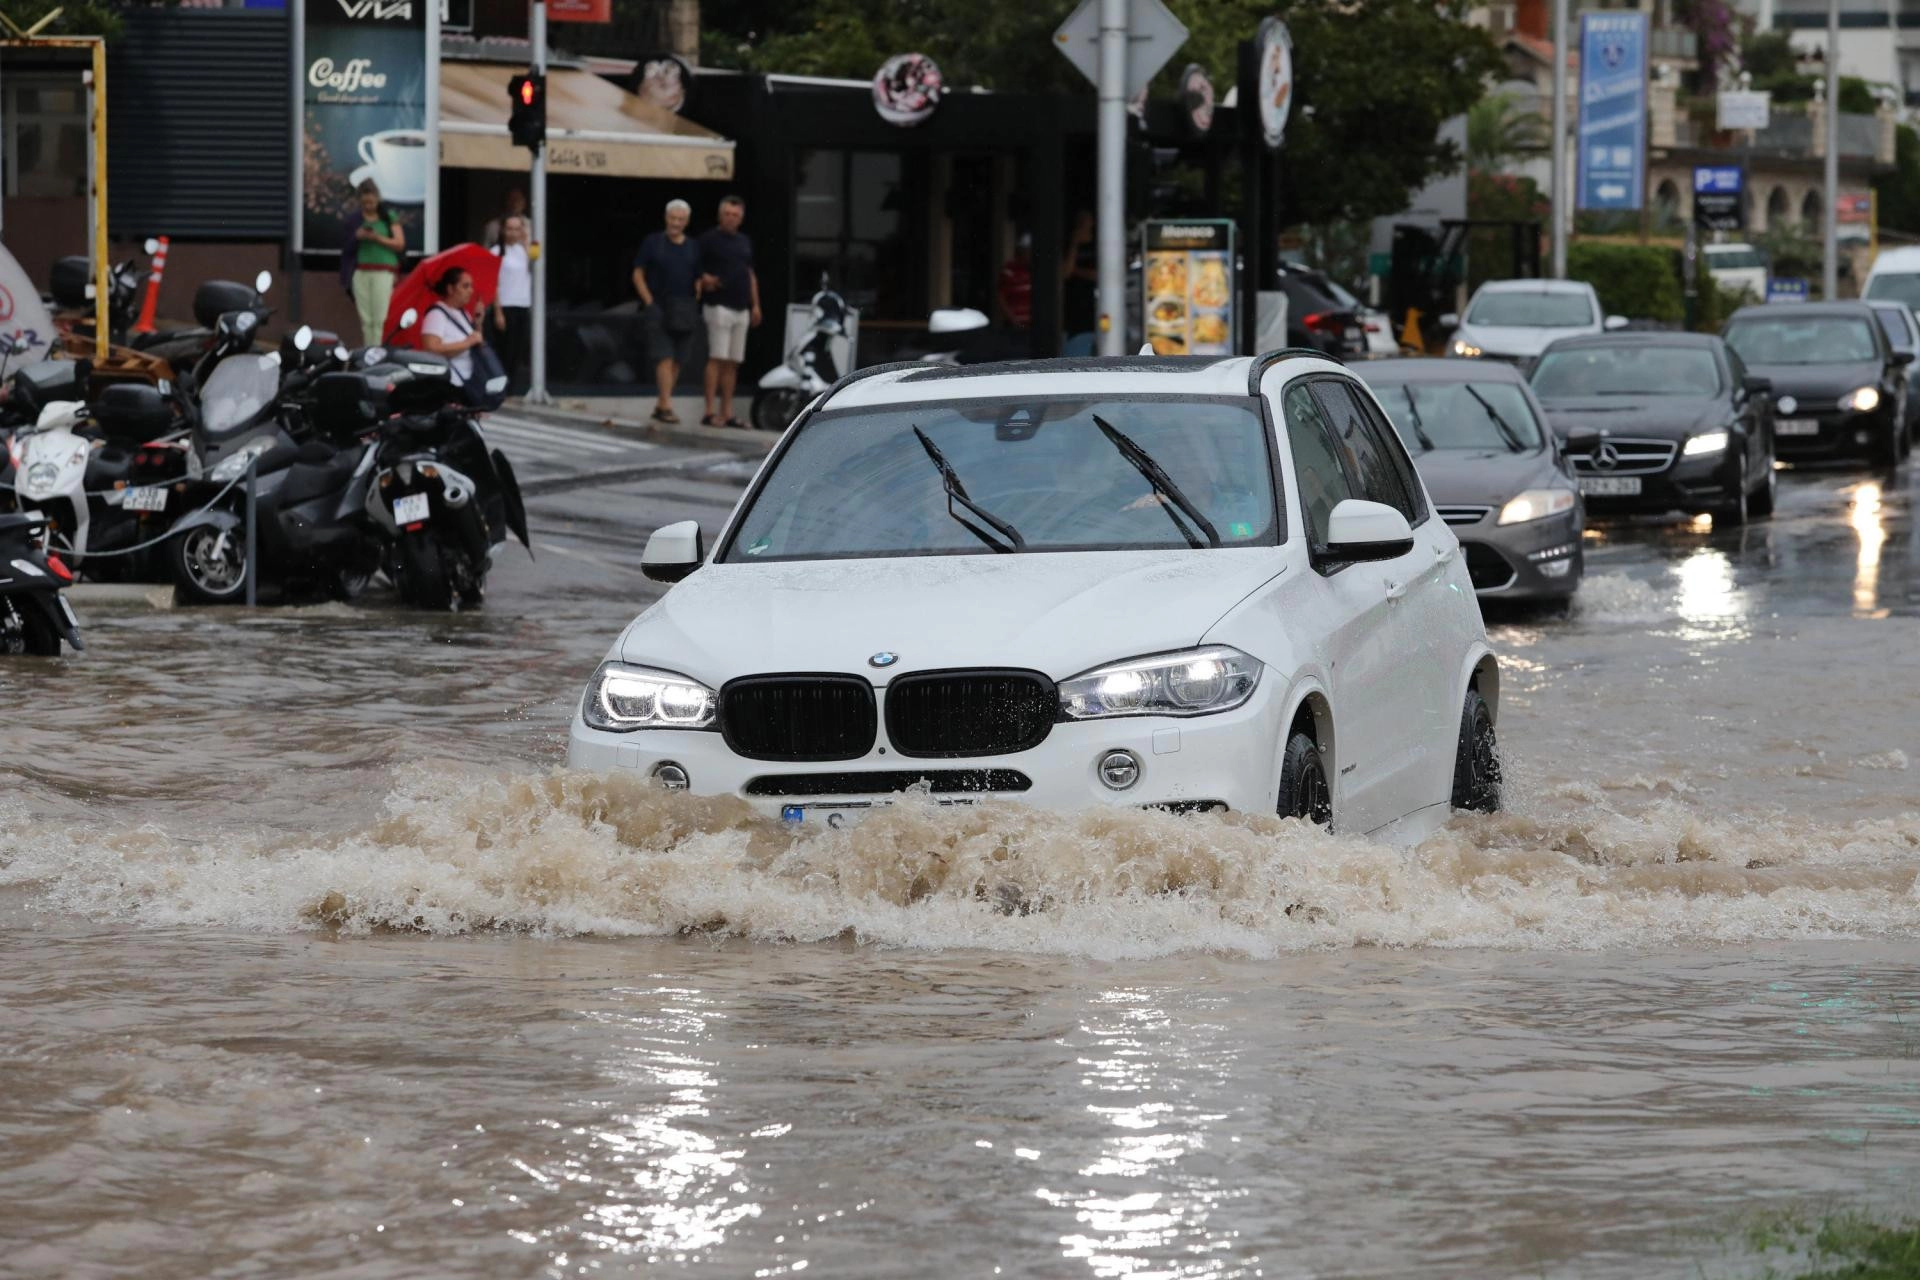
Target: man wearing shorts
(731, 293)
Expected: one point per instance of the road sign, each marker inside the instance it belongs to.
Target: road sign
(1154, 35)
(1744, 109)
(1613, 110)
(1717, 205)
(1786, 289)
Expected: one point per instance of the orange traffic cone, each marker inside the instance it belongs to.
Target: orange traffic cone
(151, 304)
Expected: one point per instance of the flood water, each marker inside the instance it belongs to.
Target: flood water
(314, 961)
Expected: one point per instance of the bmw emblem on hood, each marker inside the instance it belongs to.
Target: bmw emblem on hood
(883, 659)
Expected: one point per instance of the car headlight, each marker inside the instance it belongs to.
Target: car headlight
(1536, 504)
(621, 698)
(1704, 443)
(1861, 399)
(1193, 682)
(1461, 347)
(234, 465)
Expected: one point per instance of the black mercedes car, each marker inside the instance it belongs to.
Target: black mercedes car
(1661, 422)
(1839, 387)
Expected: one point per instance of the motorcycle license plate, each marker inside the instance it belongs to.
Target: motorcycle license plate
(152, 497)
(411, 509)
(1610, 486)
(1796, 427)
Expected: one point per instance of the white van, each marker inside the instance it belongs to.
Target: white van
(1737, 267)
(1896, 276)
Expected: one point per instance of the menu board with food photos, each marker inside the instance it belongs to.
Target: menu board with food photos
(1189, 287)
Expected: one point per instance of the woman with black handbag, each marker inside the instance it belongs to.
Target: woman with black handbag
(666, 275)
(448, 330)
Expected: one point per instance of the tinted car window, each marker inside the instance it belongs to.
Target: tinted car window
(1898, 324)
(1903, 287)
(1532, 310)
(1790, 339)
(1317, 466)
(1635, 370)
(1368, 455)
(1489, 416)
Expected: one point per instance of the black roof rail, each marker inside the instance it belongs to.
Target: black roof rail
(1267, 359)
(848, 379)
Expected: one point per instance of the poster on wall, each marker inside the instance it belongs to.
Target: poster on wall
(1613, 111)
(363, 115)
(1188, 287)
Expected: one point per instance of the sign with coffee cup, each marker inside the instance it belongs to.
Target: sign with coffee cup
(363, 116)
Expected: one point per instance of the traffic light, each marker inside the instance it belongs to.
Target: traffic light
(528, 122)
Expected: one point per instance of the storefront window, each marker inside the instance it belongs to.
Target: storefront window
(849, 225)
(45, 123)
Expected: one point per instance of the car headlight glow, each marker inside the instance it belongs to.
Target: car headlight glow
(234, 465)
(1704, 443)
(1193, 682)
(1861, 399)
(621, 698)
(1536, 504)
(1461, 347)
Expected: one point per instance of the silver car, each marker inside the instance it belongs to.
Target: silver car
(1496, 472)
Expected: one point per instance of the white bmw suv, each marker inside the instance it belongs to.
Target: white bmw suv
(1199, 583)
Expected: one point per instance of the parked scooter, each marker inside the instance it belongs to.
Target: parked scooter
(809, 368)
(34, 616)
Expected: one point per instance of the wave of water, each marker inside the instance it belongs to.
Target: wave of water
(563, 853)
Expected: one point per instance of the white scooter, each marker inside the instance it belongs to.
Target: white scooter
(809, 368)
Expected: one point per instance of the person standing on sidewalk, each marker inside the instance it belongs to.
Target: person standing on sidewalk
(494, 234)
(513, 301)
(666, 275)
(381, 240)
(731, 293)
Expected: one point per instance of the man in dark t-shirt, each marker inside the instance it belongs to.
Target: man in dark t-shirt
(731, 293)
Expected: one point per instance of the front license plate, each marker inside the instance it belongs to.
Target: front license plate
(1796, 427)
(1610, 486)
(829, 815)
(411, 509)
(152, 497)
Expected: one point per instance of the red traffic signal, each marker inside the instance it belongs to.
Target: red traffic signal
(527, 122)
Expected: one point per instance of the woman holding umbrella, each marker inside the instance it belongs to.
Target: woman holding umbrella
(448, 328)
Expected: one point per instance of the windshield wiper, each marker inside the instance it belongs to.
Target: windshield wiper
(1507, 432)
(1413, 420)
(957, 492)
(1162, 484)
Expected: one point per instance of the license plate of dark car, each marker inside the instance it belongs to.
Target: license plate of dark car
(1797, 427)
(1610, 486)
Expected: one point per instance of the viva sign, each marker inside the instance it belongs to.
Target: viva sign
(363, 115)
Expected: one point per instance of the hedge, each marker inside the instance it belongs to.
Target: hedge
(1633, 280)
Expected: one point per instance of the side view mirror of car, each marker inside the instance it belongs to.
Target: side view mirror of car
(1615, 322)
(676, 550)
(1758, 386)
(1580, 442)
(1903, 357)
(1451, 320)
(1359, 532)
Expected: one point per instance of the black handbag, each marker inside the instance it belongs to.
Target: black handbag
(679, 315)
(488, 369)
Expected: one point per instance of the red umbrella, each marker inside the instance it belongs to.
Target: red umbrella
(416, 290)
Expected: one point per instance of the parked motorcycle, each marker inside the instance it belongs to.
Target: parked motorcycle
(809, 368)
(34, 616)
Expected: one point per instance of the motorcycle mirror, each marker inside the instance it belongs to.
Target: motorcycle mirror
(152, 246)
(342, 355)
(408, 317)
(303, 337)
(263, 282)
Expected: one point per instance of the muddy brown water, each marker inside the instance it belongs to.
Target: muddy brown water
(313, 961)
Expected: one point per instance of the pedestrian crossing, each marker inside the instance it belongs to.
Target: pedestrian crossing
(540, 450)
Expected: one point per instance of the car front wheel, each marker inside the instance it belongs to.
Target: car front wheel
(1304, 792)
(1476, 760)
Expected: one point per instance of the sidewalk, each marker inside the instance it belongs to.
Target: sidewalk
(631, 416)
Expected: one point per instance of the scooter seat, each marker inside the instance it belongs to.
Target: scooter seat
(307, 480)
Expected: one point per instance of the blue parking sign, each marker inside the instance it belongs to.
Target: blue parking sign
(1613, 110)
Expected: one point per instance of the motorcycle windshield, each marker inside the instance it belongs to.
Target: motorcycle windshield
(237, 390)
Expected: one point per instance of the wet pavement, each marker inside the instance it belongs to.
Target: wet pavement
(313, 960)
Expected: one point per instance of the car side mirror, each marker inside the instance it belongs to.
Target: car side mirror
(1758, 386)
(1903, 357)
(1614, 322)
(674, 551)
(1359, 532)
(1451, 320)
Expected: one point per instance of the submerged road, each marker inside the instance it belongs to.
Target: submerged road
(314, 961)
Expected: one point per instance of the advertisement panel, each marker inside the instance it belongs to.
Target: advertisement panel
(1613, 110)
(1188, 287)
(363, 114)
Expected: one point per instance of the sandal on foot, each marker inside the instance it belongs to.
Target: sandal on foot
(707, 420)
(667, 416)
(736, 423)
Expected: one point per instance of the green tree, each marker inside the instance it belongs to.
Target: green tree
(77, 18)
(1498, 129)
(1357, 64)
(1899, 191)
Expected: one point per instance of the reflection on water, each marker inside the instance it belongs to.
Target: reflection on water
(1864, 516)
(1708, 597)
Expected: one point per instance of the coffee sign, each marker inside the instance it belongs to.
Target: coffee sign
(363, 115)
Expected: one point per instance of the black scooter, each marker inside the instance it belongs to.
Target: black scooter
(34, 616)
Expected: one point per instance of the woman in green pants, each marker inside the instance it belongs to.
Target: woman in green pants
(382, 241)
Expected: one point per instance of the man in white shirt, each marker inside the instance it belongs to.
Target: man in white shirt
(513, 302)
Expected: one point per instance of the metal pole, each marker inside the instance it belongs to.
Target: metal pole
(97, 206)
(253, 570)
(1112, 230)
(1830, 260)
(1562, 222)
(430, 234)
(537, 359)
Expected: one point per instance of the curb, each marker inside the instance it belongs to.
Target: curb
(150, 594)
(618, 475)
(755, 444)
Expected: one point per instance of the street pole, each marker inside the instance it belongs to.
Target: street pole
(1112, 331)
(1561, 221)
(537, 390)
(1830, 260)
(430, 234)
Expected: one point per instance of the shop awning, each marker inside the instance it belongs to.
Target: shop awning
(593, 127)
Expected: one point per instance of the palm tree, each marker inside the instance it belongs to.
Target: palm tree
(1498, 128)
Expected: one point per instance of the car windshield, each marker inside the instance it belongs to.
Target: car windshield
(1733, 259)
(1461, 415)
(1532, 310)
(1791, 339)
(1898, 287)
(1637, 370)
(976, 477)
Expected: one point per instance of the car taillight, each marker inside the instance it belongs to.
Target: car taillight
(59, 568)
(1323, 322)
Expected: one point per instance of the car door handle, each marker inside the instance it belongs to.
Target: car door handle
(1395, 589)
(1444, 555)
